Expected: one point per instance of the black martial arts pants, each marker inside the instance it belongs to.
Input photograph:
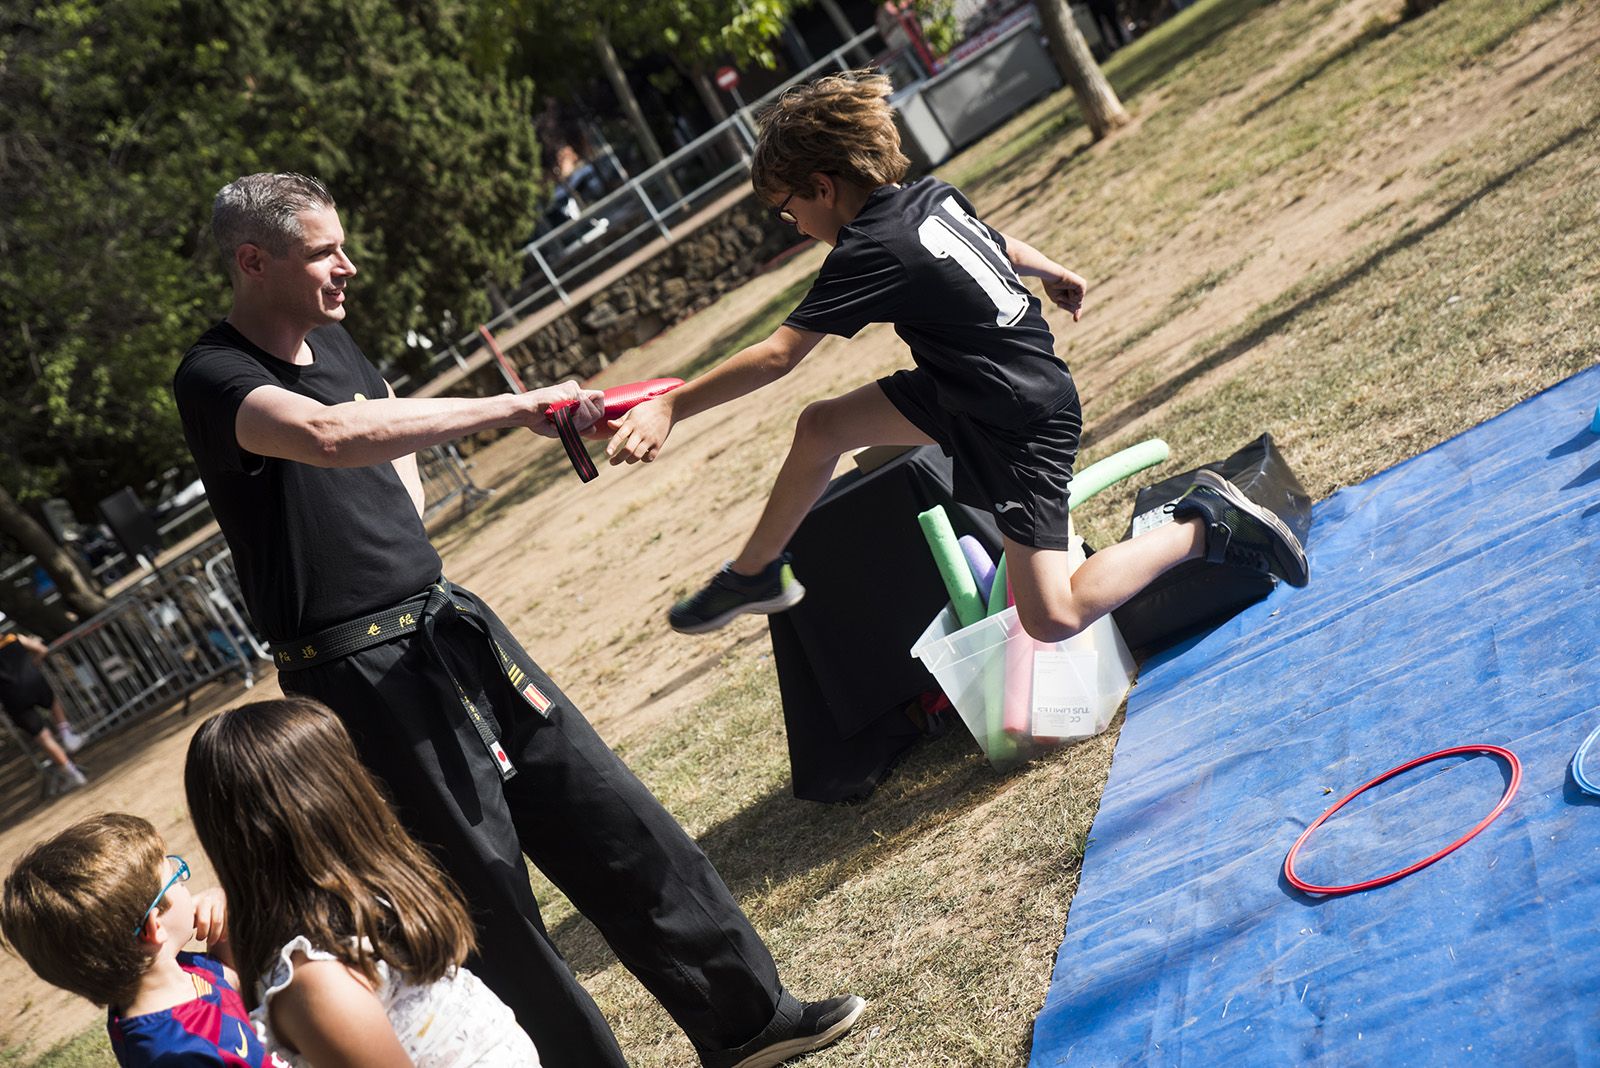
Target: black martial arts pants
(583, 819)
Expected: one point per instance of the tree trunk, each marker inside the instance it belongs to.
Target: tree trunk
(630, 106)
(858, 55)
(711, 97)
(49, 621)
(77, 593)
(630, 103)
(1102, 111)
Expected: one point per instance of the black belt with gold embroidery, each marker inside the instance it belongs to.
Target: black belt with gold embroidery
(417, 615)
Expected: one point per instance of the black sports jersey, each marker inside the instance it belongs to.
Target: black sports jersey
(918, 257)
(313, 546)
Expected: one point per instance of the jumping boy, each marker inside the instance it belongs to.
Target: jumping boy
(987, 387)
(100, 911)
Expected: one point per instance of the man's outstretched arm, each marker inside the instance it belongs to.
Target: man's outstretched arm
(273, 421)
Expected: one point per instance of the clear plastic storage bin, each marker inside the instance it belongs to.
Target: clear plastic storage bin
(1017, 695)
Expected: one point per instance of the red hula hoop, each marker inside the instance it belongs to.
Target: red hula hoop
(1511, 789)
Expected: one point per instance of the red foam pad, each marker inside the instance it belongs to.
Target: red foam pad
(620, 400)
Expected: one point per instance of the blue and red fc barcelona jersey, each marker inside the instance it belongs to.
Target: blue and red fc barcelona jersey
(212, 1029)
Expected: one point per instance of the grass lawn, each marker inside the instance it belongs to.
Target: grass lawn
(1361, 234)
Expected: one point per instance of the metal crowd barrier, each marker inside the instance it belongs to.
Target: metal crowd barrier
(175, 631)
(445, 479)
(185, 624)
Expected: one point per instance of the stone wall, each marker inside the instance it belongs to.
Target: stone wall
(691, 273)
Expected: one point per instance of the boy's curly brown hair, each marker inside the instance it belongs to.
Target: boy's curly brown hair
(840, 125)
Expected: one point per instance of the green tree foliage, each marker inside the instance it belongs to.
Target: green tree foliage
(555, 37)
(119, 119)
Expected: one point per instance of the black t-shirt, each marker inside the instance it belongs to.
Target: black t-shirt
(313, 546)
(20, 677)
(918, 257)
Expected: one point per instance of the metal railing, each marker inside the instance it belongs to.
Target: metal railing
(185, 624)
(445, 479)
(176, 630)
(650, 204)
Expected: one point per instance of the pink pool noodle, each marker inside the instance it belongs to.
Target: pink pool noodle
(1018, 702)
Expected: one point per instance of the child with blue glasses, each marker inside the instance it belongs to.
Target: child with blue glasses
(101, 910)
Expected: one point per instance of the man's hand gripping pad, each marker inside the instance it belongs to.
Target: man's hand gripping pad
(619, 400)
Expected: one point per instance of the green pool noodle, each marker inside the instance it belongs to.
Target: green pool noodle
(1114, 468)
(1000, 747)
(997, 590)
(952, 564)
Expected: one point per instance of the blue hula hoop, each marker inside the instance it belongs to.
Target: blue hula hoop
(1586, 784)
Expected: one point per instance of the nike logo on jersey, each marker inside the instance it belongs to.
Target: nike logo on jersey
(244, 1043)
(1001, 509)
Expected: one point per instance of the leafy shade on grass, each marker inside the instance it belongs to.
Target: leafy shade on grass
(828, 883)
(90, 1049)
(1421, 335)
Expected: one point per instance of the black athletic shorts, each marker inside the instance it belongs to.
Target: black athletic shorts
(1021, 474)
(25, 700)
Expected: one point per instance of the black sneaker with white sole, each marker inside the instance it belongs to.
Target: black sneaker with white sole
(821, 1023)
(729, 594)
(1240, 531)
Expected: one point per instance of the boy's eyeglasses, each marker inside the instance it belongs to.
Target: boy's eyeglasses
(180, 875)
(782, 211)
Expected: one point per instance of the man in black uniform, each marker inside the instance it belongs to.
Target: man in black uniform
(307, 458)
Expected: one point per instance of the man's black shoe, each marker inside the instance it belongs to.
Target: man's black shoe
(1240, 531)
(821, 1023)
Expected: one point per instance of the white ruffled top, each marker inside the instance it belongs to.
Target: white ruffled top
(452, 1023)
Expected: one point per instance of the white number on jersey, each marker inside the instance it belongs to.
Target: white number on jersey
(946, 242)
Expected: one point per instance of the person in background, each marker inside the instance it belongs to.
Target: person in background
(26, 696)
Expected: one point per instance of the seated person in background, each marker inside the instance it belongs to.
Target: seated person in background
(25, 695)
(100, 911)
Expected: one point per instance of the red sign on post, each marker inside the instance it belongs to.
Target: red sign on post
(727, 79)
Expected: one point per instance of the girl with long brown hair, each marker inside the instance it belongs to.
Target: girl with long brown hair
(347, 938)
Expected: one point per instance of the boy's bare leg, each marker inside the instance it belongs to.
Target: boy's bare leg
(824, 432)
(1053, 605)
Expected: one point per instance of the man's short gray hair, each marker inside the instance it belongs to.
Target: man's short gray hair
(264, 209)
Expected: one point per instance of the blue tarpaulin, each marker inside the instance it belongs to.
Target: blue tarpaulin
(1454, 599)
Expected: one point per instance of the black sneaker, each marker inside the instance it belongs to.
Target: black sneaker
(1239, 531)
(821, 1023)
(729, 593)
